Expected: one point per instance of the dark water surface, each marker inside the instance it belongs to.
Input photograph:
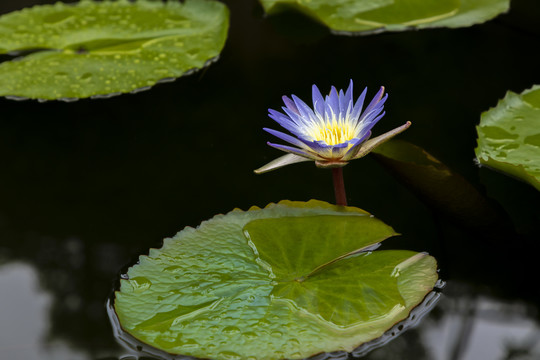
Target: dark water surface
(86, 187)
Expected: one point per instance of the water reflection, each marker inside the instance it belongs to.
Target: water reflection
(24, 316)
(465, 326)
(481, 327)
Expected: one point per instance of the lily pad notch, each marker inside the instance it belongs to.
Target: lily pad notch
(101, 49)
(300, 278)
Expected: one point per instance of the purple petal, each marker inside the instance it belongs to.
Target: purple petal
(299, 123)
(345, 101)
(293, 117)
(332, 101)
(338, 150)
(356, 143)
(319, 147)
(369, 120)
(366, 127)
(359, 104)
(372, 120)
(341, 145)
(318, 100)
(292, 150)
(287, 138)
(348, 94)
(305, 111)
(276, 115)
(376, 100)
(376, 109)
(283, 120)
(290, 104)
(342, 104)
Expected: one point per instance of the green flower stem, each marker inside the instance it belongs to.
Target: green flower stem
(339, 186)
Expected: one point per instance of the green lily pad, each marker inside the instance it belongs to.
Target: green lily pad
(107, 48)
(509, 136)
(392, 15)
(288, 281)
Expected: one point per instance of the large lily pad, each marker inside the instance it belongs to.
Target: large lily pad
(103, 48)
(352, 16)
(287, 281)
(509, 136)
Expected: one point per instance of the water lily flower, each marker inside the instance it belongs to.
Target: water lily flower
(333, 132)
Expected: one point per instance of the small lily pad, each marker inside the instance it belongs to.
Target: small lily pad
(358, 16)
(106, 48)
(509, 136)
(288, 281)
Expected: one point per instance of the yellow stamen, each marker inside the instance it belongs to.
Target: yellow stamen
(333, 134)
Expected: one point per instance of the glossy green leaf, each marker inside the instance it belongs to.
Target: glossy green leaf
(288, 281)
(392, 15)
(106, 48)
(509, 136)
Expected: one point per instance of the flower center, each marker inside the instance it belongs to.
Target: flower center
(334, 134)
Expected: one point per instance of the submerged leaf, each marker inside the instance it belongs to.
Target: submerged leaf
(440, 187)
(287, 281)
(346, 16)
(509, 136)
(106, 48)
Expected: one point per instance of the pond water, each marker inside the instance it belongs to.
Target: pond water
(88, 186)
